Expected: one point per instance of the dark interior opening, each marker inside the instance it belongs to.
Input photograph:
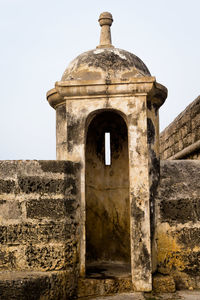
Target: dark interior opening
(107, 196)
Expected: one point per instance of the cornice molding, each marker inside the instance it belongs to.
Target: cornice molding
(79, 89)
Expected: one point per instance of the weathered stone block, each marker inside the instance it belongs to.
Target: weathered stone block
(99, 287)
(50, 208)
(26, 233)
(56, 166)
(180, 211)
(37, 285)
(195, 108)
(40, 185)
(21, 234)
(184, 281)
(58, 232)
(3, 234)
(188, 236)
(7, 260)
(46, 257)
(10, 209)
(192, 261)
(7, 186)
(163, 284)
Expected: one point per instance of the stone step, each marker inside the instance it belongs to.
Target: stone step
(91, 287)
(30, 285)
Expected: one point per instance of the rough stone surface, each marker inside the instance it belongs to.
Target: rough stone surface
(98, 287)
(180, 295)
(182, 132)
(105, 64)
(177, 222)
(36, 285)
(39, 229)
(134, 110)
(163, 284)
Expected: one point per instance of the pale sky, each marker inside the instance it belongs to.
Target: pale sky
(39, 38)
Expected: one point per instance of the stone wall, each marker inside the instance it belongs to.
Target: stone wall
(181, 139)
(39, 227)
(178, 222)
(39, 216)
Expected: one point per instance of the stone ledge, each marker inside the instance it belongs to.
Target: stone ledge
(36, 285)
(90, 287)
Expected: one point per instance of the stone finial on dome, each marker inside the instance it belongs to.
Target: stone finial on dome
(105, 21)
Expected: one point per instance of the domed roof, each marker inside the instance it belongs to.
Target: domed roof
(105, 62)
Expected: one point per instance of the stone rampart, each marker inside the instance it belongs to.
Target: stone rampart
(39, 227)
(178, 222)
(39, 216)
(181, 139)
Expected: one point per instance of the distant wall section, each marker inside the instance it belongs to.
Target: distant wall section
(178, 222)
(181, 139)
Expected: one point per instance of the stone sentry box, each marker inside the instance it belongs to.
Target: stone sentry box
(111, 90)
